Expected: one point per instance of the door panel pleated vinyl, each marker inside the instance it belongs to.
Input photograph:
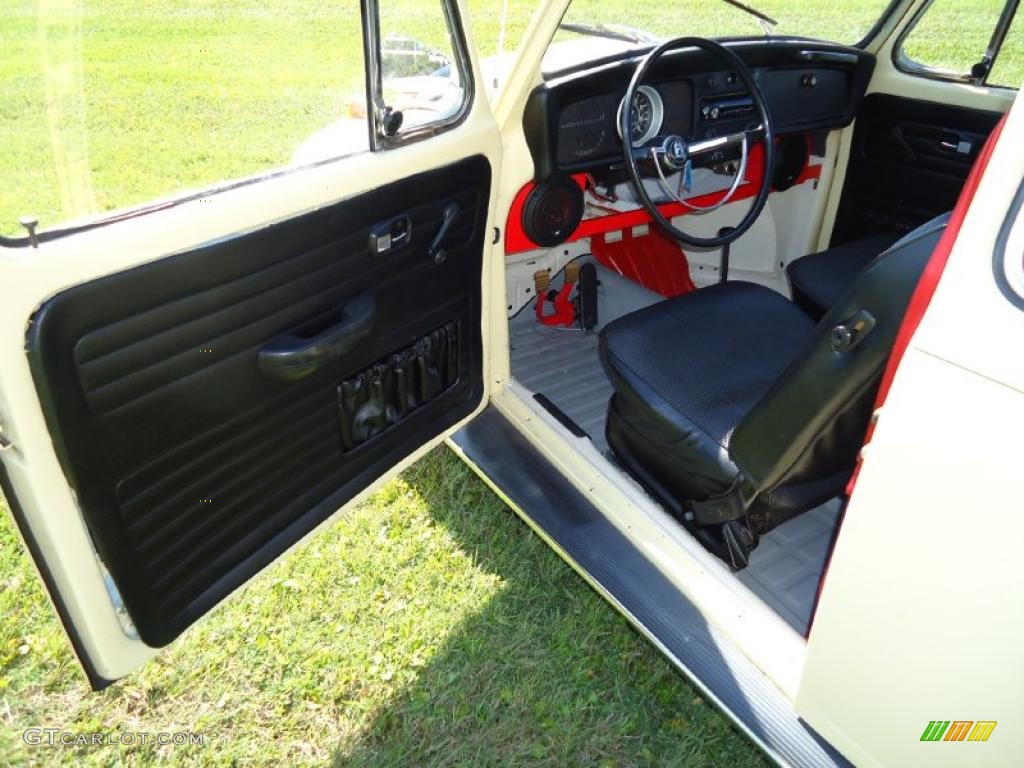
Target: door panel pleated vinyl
(908, 162)
(193, 466)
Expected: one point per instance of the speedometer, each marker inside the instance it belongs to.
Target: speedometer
(645, 115)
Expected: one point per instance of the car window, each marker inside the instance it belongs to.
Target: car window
(424, 78)
(592, 29)
(128, 101)
(498, 28)
(951, 38)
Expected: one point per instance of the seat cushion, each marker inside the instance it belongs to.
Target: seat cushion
(686, 371)
(819, 279)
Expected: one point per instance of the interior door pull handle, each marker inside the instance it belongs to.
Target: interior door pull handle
(952, 142)
(291, 357)
(436, 252)
(390, 235)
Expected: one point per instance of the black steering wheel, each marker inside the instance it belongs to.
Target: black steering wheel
(672, 153)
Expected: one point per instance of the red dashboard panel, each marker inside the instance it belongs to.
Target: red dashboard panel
(516, 240)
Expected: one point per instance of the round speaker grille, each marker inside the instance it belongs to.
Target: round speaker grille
(552, 211)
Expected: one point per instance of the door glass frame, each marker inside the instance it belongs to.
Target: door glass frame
(908, 66)
(372, 76)
(380, 140)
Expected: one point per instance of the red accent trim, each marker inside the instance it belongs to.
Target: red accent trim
(565, 310)
(654, 260)
(919, 302)
(516, 240)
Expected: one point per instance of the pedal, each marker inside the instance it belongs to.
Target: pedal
(587, 293)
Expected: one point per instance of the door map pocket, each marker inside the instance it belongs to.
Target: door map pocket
(382, 394)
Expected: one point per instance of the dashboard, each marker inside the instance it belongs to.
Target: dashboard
(571, 121)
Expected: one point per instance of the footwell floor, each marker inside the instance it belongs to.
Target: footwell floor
(786, 567)
(563, 365)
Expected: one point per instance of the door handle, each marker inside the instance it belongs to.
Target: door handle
(390, 235)
(954, 142)
(291, 357)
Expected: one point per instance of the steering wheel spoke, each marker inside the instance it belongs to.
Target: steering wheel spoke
(752, 135)
(668, 155)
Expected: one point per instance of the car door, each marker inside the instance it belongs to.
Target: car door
(929, 109)
(901, 623)
(190, 387)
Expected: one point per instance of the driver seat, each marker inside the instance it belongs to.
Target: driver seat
(738, 411)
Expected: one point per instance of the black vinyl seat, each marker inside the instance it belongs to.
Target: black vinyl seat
(819, 279)
(738, 411)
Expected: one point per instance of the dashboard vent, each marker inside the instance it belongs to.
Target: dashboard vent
(586, 129)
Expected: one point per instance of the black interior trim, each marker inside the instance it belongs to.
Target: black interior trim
(780, 65)
(561, 416)
(999, 255)
(192, 468)
(900, 175)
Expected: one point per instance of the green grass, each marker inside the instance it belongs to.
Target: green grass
(427, 626)
(112, 103)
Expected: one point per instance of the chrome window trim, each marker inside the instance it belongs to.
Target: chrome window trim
(908, 66)
(379, 141)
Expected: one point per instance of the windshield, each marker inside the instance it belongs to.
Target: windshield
(593, 29)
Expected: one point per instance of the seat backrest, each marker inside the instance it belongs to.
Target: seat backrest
(812, 422)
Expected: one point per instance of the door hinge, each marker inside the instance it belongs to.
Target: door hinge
(114, 594)
(497, 236)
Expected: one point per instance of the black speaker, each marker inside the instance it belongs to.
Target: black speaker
(791, 156)
(553, 210)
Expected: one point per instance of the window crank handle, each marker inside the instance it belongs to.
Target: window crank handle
(436, 252)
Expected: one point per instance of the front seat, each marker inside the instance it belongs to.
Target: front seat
(817, 280)
(738, 411)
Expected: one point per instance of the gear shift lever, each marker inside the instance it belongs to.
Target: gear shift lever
(723, 264)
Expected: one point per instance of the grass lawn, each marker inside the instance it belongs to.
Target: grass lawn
(427, 626)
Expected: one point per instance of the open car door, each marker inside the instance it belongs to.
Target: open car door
(187, 390)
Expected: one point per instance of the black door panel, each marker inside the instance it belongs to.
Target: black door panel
(908, 163)
(193, 464)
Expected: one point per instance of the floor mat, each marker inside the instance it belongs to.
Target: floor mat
(562, 364)
(786, 567)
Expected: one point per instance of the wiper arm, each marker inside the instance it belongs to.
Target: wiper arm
(600, 30)
(767, 23)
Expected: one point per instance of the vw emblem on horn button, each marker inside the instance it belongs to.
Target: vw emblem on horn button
(675, 152)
